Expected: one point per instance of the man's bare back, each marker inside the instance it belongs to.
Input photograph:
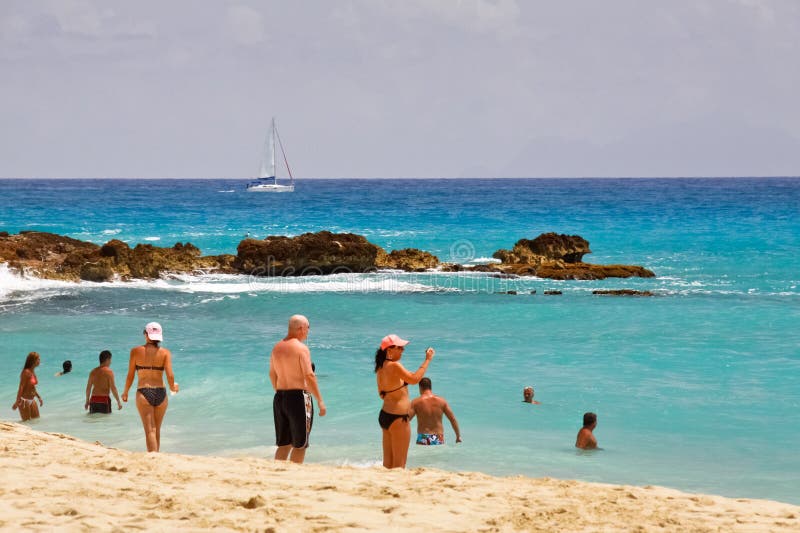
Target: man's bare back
(429, 409)
(290, 363)
(586, 439)
(100, 386)
(100, 380)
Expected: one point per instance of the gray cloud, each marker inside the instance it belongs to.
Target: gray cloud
(387, 89)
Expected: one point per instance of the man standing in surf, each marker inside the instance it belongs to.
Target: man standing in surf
(293, 379)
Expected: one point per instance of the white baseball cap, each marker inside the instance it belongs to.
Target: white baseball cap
(153, 331)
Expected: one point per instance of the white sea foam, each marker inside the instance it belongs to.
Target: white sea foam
(341, 283)
(152, 238)
(12, 283)
(485, 260)
(15, 284)
(115, 231)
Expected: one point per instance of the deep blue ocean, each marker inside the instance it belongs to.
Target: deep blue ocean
(696, 388)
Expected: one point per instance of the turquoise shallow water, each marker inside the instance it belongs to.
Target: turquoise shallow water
(695, 389)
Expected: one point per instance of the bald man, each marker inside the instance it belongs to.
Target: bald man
(294, 381)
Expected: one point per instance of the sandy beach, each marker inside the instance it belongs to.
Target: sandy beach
(54, 481)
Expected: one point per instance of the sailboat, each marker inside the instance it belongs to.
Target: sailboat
(267, 180)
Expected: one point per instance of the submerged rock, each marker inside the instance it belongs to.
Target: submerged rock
(622, 292)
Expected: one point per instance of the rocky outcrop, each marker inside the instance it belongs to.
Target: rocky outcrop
(46, 255)
(579, 271)
(57, 257)
(408, 259)
(53, 256)
(546, 247)
(555, 256)
(308, 254)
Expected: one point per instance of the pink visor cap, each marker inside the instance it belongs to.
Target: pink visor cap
(392, 340)
(153, 331)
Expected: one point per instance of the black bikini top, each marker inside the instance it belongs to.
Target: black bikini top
(161, 368)
(385, 392)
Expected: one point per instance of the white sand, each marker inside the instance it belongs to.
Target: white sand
(53, 481)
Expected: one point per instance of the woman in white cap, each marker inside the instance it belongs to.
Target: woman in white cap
(393, 380)
(150, 362)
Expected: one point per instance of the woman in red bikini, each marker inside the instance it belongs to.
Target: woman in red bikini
(393, 380)
(150, 362)
(27, 394)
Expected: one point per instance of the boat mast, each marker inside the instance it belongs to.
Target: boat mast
(285, 161)
(272, 152)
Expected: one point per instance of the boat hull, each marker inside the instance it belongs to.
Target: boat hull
(270, 187)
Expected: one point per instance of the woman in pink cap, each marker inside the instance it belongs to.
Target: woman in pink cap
(150, 362)
(393, 380)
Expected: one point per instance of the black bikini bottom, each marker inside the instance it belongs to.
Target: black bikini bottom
(154, 395)
(385, 419)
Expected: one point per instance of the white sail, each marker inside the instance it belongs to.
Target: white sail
(268, 161)
(268, 178)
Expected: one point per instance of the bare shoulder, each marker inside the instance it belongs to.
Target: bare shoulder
(300, 346)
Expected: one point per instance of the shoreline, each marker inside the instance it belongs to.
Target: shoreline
(52, 480)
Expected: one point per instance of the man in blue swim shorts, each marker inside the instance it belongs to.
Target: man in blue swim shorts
(429, 408)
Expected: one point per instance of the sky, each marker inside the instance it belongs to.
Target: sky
(404, 88)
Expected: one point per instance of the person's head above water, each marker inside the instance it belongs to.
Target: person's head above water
(66, 366)
(527, 394)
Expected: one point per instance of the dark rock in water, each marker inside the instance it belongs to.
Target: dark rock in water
(504, 275)
(452, 267)
(587, 271)
(552, 293)
(308, 254)
(567, 248)
(57, 257)
(533, 291)
(96, 272)
(408, 259)
(44, 254)
(486, 268)
(119, 251)
(555, 256)
(546, 247)
(148, 261)
(623, 292)
(507, 292)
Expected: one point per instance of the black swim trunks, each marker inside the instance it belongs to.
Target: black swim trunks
(293, 411)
